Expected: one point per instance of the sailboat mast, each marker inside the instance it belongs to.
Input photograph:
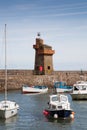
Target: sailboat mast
(5, 66)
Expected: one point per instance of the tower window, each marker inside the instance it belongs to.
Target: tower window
(48, 67)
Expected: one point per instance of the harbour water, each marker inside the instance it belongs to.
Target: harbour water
(30, 115)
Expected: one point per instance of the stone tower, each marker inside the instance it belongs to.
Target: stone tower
(43, 58)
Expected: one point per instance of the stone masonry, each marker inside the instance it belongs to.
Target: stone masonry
(16, 78)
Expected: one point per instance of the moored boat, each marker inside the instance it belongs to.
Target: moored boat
(7, 108)
(34, 89)
(59, 107)
(79, 90)
(62, 87)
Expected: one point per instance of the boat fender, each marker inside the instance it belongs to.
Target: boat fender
(55, 116)
(72, 115)
(46, 113)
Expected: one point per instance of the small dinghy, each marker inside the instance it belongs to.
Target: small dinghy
(34, 89)
(62, 87)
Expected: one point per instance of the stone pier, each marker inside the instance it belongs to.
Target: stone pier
(17, 78)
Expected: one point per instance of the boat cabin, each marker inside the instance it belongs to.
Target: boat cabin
(58, 102)
(59, 84)
(80, 85)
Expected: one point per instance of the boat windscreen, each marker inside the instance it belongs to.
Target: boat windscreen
(63, 98)
(55, 98)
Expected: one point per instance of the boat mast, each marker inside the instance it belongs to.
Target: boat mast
(5, 66)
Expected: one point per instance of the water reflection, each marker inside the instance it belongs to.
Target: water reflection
(30, 115)
(62, 121)
(11, 120)
(7, 123)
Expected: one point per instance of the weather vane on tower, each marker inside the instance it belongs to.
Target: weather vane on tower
(38, 34)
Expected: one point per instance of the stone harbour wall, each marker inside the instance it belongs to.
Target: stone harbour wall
(17, 78)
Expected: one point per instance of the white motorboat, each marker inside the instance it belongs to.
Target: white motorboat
(7, 108)
(79, 90)
(34, 89)
(58, 107)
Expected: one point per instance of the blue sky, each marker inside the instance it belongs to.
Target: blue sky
(61, 23)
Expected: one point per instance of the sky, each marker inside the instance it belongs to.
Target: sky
(61, 23)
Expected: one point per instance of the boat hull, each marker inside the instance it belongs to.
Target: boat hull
(5, 114)
(56, 114)
(60, 90)
(26, 90)
(79, 96)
